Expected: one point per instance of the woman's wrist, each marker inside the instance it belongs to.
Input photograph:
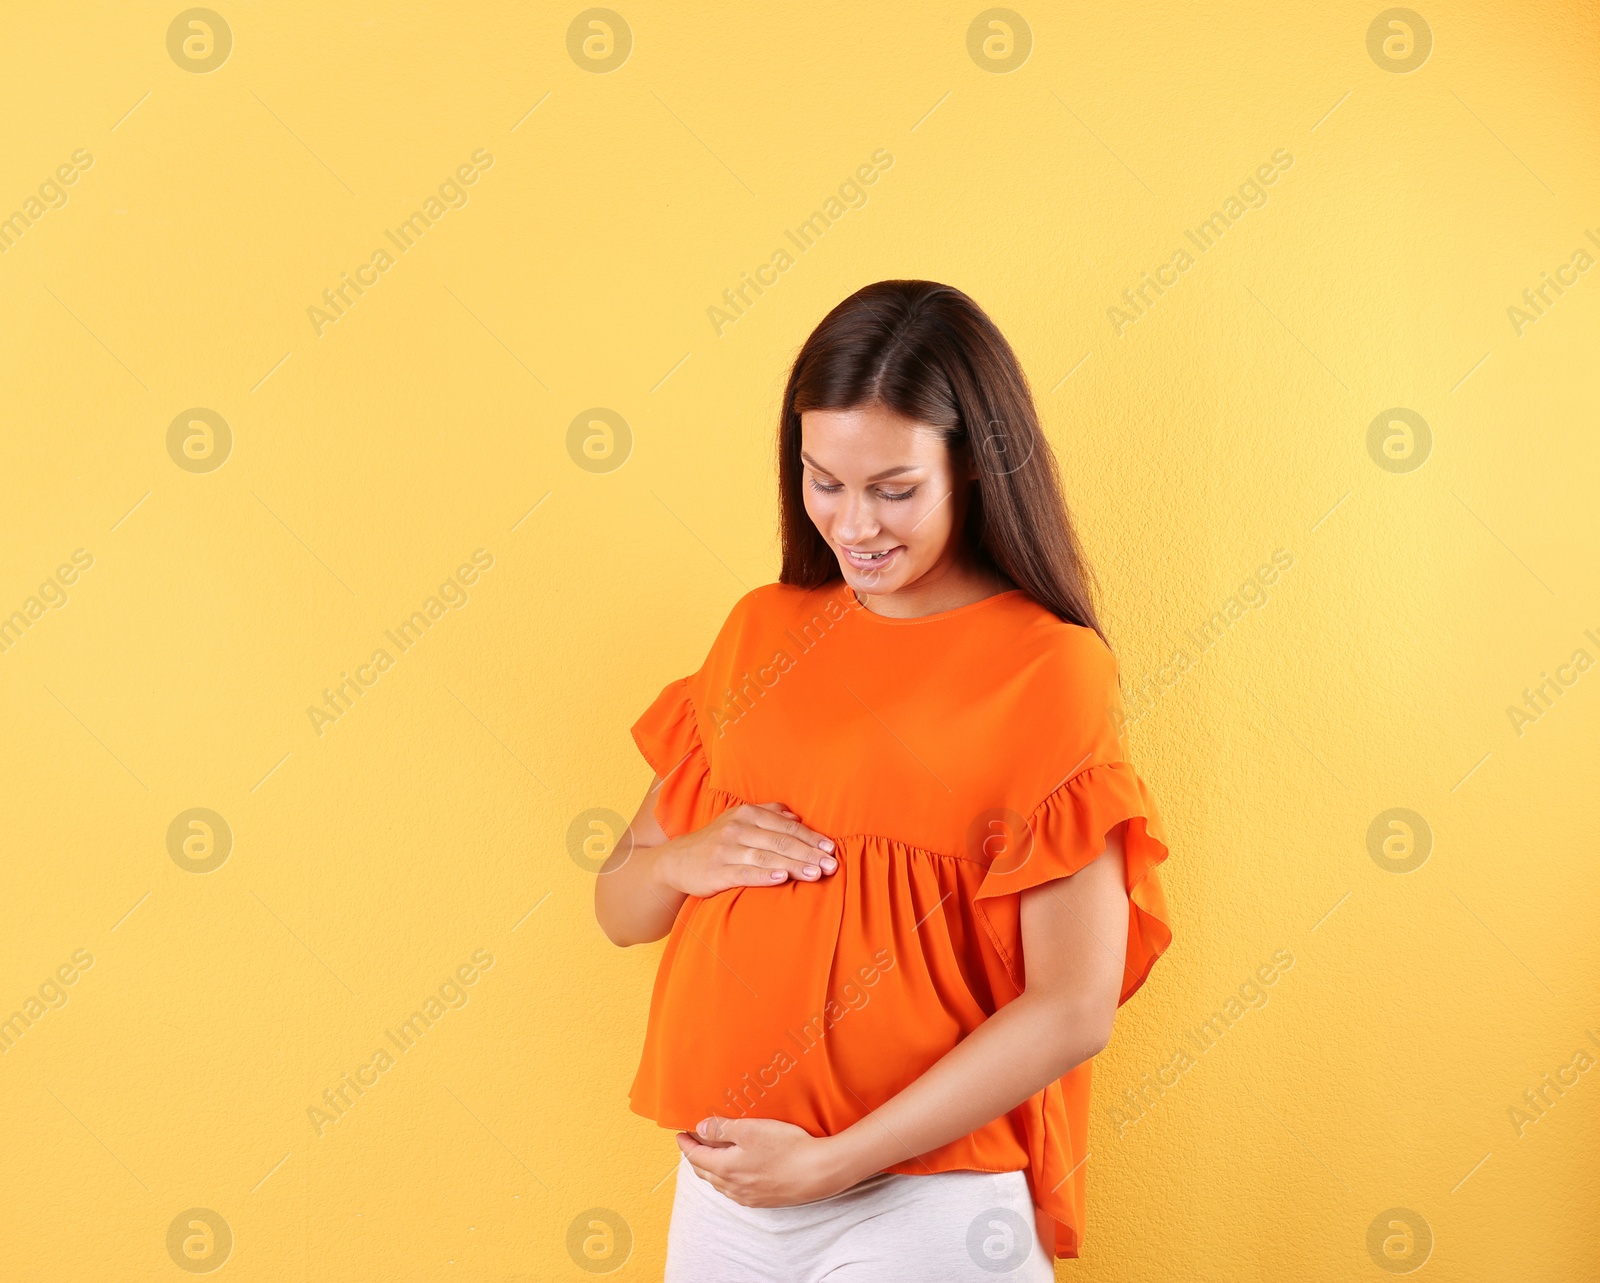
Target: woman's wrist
(851, 1155)
(663, 868)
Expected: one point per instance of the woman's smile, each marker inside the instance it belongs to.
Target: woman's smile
(877, 560)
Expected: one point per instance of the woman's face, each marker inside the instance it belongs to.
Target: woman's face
(885, 493)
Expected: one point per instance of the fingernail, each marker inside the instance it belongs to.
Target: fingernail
(778, 875)
(829, 864)
(826, 844)
(811, 871)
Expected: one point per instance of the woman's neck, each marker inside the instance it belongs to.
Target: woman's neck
(942, 588)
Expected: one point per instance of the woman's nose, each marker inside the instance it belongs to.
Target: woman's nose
(855, 521)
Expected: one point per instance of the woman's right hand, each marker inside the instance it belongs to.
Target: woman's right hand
(753, 844)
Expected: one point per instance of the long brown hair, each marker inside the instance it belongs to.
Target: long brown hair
(930, 353)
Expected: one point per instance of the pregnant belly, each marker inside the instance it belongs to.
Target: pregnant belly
(809, 1002)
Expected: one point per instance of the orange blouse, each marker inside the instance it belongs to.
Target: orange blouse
(956, 760)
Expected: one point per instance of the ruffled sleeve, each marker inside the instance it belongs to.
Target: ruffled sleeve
(1063, 834)
(668, 735)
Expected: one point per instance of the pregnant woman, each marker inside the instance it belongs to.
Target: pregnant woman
(905, 870)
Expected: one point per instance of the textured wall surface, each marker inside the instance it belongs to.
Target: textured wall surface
(1309, 288)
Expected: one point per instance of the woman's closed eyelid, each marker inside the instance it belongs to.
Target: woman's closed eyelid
(835, 486)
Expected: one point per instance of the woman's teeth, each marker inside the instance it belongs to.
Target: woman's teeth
(870, 560)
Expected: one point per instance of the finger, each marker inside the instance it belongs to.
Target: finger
(718, 1129)
(710, 1178)
(709, 1149)
(715, 1129)
(778, 829)
(714, 1162)
(769, 866)
(781, 837)
(781, 819)
(789, 824)
(748, 871)
(724, 1187)
(782, 850)
(719, 1184)
(748, 846)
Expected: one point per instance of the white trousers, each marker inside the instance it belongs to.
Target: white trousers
(943, 1227)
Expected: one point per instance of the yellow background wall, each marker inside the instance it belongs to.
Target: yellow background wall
(371, 456)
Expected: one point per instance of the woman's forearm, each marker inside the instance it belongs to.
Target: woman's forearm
(1021, 1048)
(632, 901)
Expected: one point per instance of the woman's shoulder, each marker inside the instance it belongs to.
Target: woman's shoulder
(765, 615)
(788, 604)
(779, 596)
(1054, 648)
(1059, 689)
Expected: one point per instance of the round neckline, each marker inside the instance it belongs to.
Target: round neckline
(863, 609)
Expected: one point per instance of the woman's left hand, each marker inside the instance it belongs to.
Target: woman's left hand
(761, 1162)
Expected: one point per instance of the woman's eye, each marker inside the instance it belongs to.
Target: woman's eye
(838, 486)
